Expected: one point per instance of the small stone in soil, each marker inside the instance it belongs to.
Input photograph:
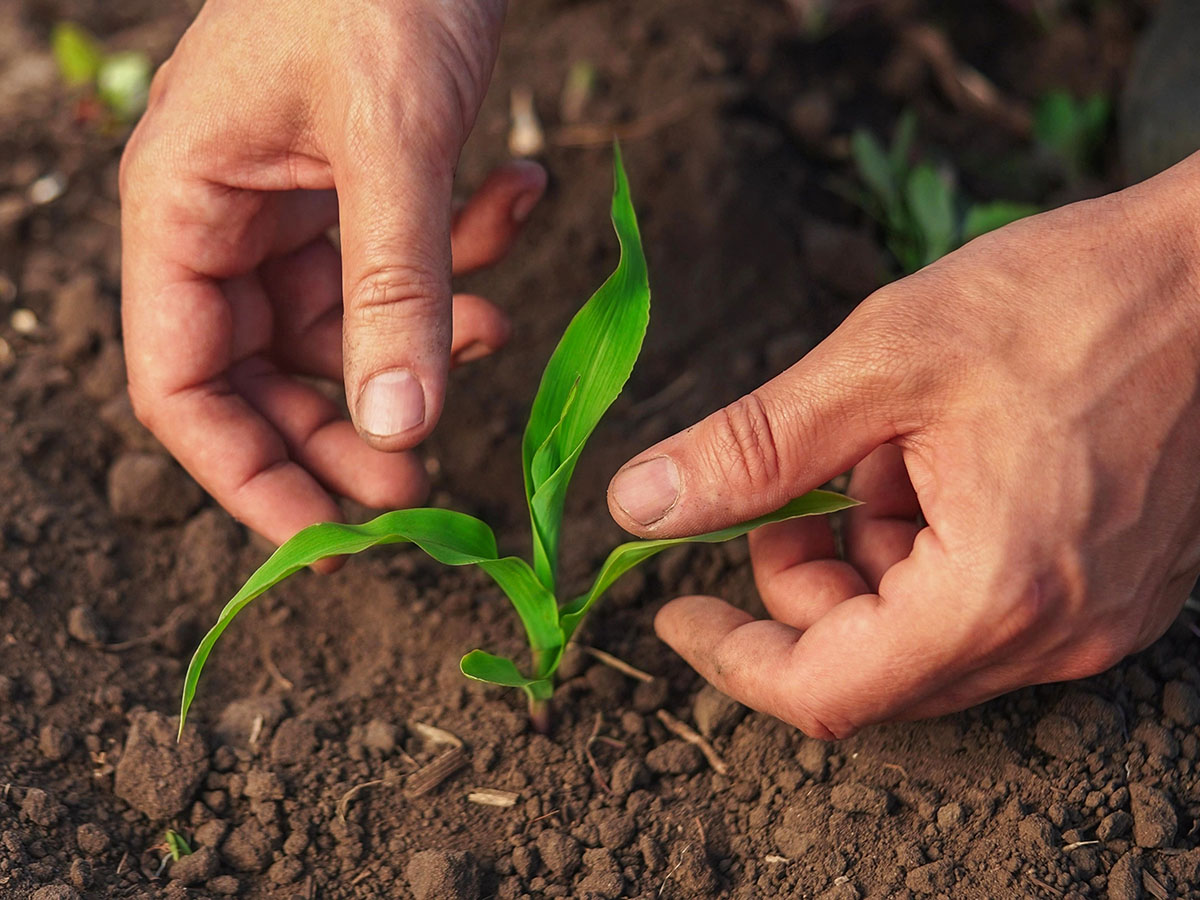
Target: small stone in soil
(91, 839)
(1181, 704)
(1059, 736)
(676, 757)
(157, 775)
(55, 743)
(285, 871)
(85, 626)
(715, 713)
(560, 852)
(41, 808)
(1125, 879)
(1154, 820)
(249, 847)
(443, 875)
(55, 892)
(602, 875)
(195, 868)
(1114, 826)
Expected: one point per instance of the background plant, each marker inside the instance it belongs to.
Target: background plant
(585, 374)
(923, 213)
(119, 82)
(1072, 131)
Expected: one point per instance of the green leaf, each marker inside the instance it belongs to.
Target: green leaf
(931, 202)
(585, 374)
(503, 671)
(123, 84)
(875, 169)
(626, 556)
(902, 142)
(985, 217)
(177, 846)
(77, 53)
(453, 538)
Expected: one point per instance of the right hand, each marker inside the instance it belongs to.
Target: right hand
(271, 123)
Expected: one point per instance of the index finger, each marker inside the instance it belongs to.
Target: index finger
(867, 660)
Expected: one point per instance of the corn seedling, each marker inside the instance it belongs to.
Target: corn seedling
(119, 82)
(923, 213)
(586, 372)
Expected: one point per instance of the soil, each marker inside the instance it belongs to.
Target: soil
(306, 769)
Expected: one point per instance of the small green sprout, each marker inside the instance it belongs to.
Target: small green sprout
(175, 845)
(1072, 131)
(586, 372)
(923, 213)
(119, 82)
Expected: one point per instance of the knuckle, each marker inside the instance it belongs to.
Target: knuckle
(380, 289)
(743, 436)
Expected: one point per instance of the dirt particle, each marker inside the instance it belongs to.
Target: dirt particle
(380, 737)
(617, 832)
(675, 758)
(856, 797)
(157, 775)
(560, 852)
(525, 861)
(41, 688)
(649, 696)
(294, 742)
(80, 874)
(264, 785)
(1154, 820)
(285, 871)
(813, 757)
(41, 808)
(55, 892)
(716, 714)
(1114, 826)
(195, 868)
(602, 875)
(249, 847)
(694, 872)
(1125, 879)
(1059, 736)
(81, 316)
(209, 540)
(443, 875)
(1157, 740)
(91, 839)
(951, 817)
(55, 743)
(1181, 704)
(148, 487)
(1037, 834)
(224, 885)
(606, 684)
(931, 878)
(628, 774)
(85, 626)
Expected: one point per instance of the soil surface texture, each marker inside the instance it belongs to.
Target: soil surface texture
(334, 750)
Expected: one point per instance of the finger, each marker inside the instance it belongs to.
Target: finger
(881, 532)
(854, 392)
(798, 574)
(867, 660)
(395, 237)
(325, 444)
(486, 226)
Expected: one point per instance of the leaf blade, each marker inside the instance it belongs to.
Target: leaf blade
(630, 554)
(450, 537)
(585, 374)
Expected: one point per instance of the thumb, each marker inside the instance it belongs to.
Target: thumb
(395, 232)
(804, 427)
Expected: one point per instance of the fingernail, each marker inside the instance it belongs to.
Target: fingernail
(648, 490)
(391, 403)
(524, 205)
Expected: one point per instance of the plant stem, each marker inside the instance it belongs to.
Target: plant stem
(539, 715)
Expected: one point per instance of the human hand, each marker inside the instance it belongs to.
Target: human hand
(1033, 398)
(271, 123)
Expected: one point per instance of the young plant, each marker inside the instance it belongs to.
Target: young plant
(923, 213)
(1072, 131)
(119, 83)
(586, 372)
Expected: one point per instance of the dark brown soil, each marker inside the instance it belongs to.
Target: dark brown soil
(296, 777)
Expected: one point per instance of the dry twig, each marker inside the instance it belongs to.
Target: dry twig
(616, 663)
(431, 776)
(689, 734)
(591, 759)
(160, 632)
(344, 803)
(493, 797)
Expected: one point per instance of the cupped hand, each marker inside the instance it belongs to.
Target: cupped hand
(270, 124)
(1023, 419)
